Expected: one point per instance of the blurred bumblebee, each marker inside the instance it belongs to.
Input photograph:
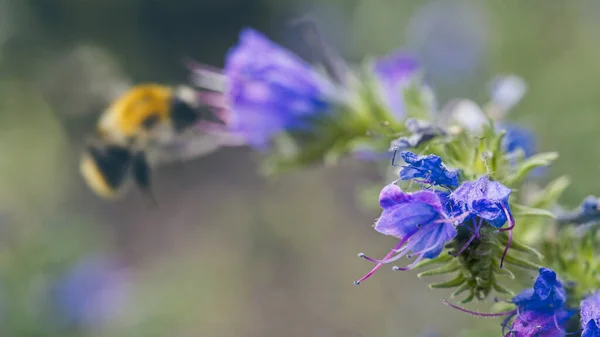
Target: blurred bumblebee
(145, 126)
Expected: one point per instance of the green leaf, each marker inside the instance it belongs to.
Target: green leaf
(522, 210)
(441, 259)
(461, 290)
(521, 263)
(450, 267)
(496, 150)
(518, 246)
(540, 159)
(506, 272)
(455, 282)
(503, 290)
(551, 192)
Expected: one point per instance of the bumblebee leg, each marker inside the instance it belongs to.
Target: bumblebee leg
(141, 176)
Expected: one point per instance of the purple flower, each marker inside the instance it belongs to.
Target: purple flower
(540, 324)
(418, 219)
(395, 72)
(590, 315)
(92, 292)
(271, 90)
(541, 310)
(428, 169)
(485, 199)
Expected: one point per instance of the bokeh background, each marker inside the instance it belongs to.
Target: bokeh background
(228, 252)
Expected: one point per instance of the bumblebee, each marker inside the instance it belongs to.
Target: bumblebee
(148, 119)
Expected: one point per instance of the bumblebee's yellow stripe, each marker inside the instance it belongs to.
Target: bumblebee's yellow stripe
(128, 113)
(94, 178)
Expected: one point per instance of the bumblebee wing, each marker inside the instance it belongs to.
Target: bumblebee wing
(191, 145)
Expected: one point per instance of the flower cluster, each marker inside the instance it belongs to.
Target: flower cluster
(457, 196)
(425, 221)
(543, 310)
(277, 103)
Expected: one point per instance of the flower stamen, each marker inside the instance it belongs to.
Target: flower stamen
(511, 222)
(457, 219)
(475, 232)
(389, 257)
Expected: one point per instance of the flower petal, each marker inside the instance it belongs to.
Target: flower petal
(429, 169)
(590, 315)
(402, 219)
(271, 90)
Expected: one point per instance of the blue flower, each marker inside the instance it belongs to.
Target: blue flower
(590, 205)
(485, 199)
(586, 216)
(271, 90)
(418, 219)
(92, 292)
(547, 292)
(518, 137)
(428, 169)
(541, 310)
(590, 315)
(395, 73)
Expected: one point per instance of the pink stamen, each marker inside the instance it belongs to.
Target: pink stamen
(395, 258)
(368, 258)
(385, 261)
(215, 100)
(511, 222)
(412, 265)
(475, 313)
(464, 247)
(476, 227)
(386, 257)
(192, 64)
(419, 258)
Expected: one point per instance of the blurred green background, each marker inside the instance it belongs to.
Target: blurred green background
(228, 253)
